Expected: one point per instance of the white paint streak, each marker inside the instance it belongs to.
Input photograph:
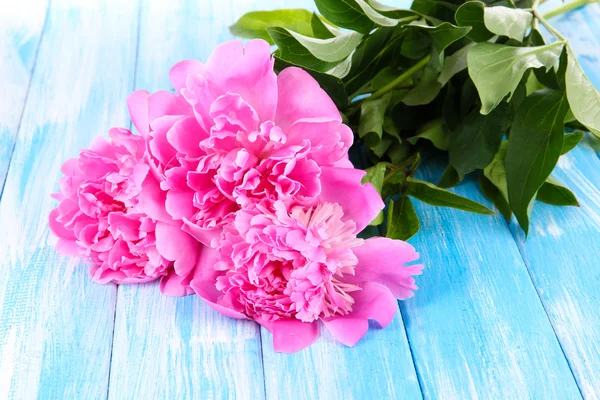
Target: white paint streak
(7, 362)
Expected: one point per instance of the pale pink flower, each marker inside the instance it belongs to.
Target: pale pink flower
(235, 133)
(290, 267)
(110, 213)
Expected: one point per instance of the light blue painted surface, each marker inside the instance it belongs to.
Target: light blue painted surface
(20, 34)
(56, 326)
(496, 316)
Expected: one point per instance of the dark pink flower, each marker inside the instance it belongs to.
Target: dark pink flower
(236, 133)
(110, 213)
(288, 268)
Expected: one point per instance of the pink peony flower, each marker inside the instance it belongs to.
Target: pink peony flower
(235, 133)
(110, 212)
(288, 268)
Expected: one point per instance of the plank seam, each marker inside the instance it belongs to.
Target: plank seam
(262, 361)
(537, 292)
(33, 69)
(412, 356)
(135, 64)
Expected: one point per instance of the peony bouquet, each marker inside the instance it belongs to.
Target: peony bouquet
(238, 189)
(241, 186)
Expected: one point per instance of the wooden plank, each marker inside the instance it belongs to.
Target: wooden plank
(55, 323)
(562, 252)
(181, 348)
(378, 367)
(147, 323)
(20, 31)
(477, 328)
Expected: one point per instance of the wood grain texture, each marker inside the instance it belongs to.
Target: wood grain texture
(377, 367)
(55, 324)
(477, 328)
(181, 348)
(562, 251)
(21, 27)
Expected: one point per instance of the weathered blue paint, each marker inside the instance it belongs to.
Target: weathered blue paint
(497, 316)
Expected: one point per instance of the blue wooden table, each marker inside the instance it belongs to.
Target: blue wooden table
(497, 316)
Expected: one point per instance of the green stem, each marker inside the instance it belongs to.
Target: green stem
(567, 7)
(401, 79)
(553, 31)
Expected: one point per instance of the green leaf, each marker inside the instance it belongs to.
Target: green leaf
(332, 85)
(330, 50)
(449, 178)
(320, 29)
(382, 147)
(369, 57)
(435, 132)
(535, 144)
(493, 194)
(497, 69)
(554, 79)
(435, 9)
(471, 14)
(372, 114)
(392, 12)
(552, 192)
(490, 21)
(477, 138)
(426, 90)
(254, 24)
(584, 98)
(570, 141)
(511, 22)
(375, 176)
(402, 222)
(399, 152)
(453, 64)
(355, 15)
(495, 172)
(436, 196)
(442, 36)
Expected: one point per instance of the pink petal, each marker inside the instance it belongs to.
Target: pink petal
(207, 237)
(292, 335)
(138, 109)
(248, 71)
(180, 72)
(347, 330)
(374, 301)
(163, 103)
(185, 136)
(68, 247)
(179, 203)
(59, 229)
(151, 200)
(362, 206)
(381, 260)
(175, 245)
(125, 225)
(329, 140)
(172, 285)
(300, 98)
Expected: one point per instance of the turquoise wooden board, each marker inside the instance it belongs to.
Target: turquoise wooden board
(496, 316)
(479, 312)
(55, 324)
(563, 251)
(193, 351)
(20, 34)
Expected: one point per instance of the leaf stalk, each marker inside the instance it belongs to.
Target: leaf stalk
(567, 7)
(401, 79)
